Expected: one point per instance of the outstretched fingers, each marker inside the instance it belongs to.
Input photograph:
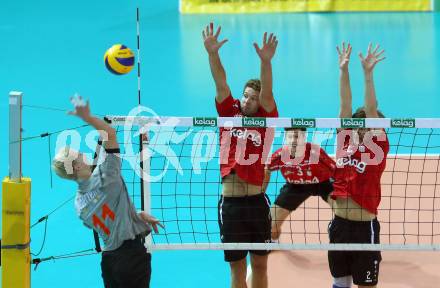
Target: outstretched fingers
(349, 48)
(217, 33)
(207, 30)
(223, 42)
(380, 59)
(380, 53)
(274, 40)
(376, 48)
(257, 48)
(269, 41)
(338, 50)
(346, 50)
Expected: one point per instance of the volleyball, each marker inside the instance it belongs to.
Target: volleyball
(119, 59)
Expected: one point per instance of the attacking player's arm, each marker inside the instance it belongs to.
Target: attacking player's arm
(266, 54)
(107, 133)
(368, 64)
(344, 81)
(212, 45)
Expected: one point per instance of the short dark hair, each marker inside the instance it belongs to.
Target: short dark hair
(292, 129)
(254, 84)
(360, 113)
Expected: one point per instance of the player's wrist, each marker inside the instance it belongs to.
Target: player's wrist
(86, 117)
(213, 53)
(368, 75)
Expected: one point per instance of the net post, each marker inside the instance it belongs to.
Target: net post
(145, 184)
(16, 191)
(15, 105)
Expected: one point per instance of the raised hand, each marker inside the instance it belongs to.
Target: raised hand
(372, 58)
(81, 108)
(269, 47)
(210, 40)
(344, 55)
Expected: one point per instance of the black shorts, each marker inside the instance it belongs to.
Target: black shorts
(244, 220)
(363, 266)
(127, 266)
(293, 195)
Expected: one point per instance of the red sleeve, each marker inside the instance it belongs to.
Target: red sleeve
(275, 161)
(227, 107)
(327, 160)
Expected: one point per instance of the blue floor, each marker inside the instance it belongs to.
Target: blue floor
(53, 49)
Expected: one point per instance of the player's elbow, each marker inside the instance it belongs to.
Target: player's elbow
(371, 112)
(345, 111)
(223, 90)
(267, 102)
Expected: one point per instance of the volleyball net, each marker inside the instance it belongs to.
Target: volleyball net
(180, 181)
(270, 6)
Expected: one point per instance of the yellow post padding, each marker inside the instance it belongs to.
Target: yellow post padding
(15, 252)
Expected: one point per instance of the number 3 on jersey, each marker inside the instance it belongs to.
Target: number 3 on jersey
(106, 212)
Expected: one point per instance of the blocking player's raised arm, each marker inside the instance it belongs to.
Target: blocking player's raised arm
(266, 53)
(344, 81)
(212, 46)
(368, 64)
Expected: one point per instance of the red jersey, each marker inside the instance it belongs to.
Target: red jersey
(315, 167)
(243, 149)
(362, 166)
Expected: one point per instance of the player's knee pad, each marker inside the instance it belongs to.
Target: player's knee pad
(342, 282)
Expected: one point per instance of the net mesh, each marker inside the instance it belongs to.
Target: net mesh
(185, 187)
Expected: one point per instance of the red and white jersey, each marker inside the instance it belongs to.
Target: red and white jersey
(360, 170)
(314, 167)
(242, 149)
